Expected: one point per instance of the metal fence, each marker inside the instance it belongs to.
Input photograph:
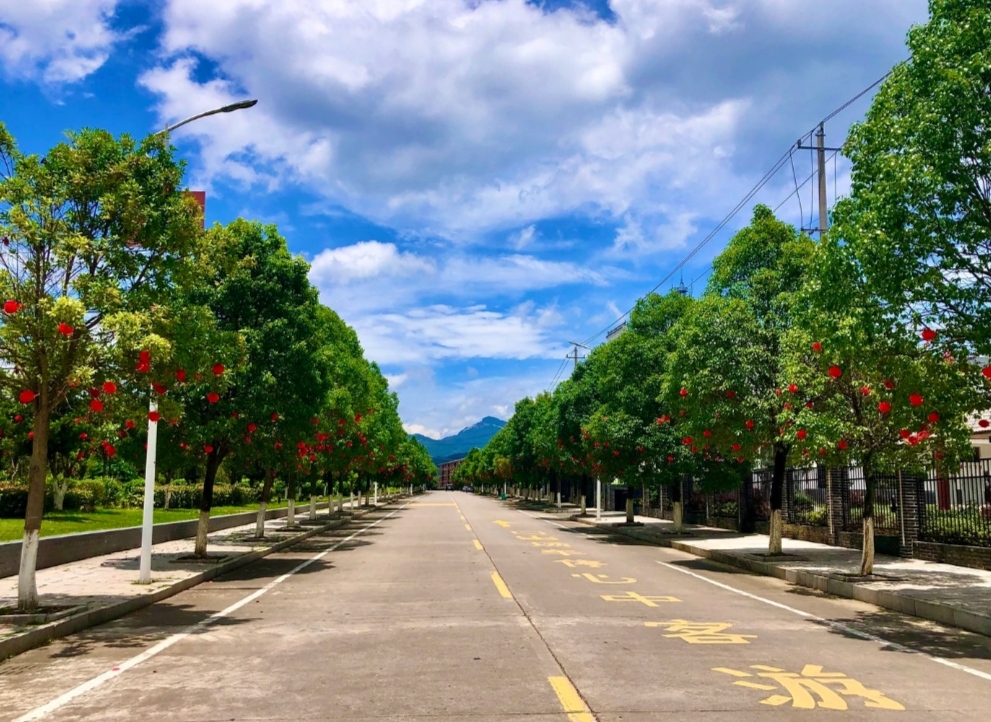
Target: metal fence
(957, 507)
(805, 497)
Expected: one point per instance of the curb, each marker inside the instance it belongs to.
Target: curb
(933, 611)
(45, 633)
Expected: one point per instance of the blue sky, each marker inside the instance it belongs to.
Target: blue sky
(476, 182)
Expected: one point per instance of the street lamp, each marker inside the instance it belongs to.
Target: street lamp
(147, 521)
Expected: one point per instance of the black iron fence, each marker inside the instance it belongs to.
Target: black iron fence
(956, 508)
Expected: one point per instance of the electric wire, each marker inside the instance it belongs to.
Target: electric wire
(736, 209)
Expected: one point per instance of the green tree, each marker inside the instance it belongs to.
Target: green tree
(96, 229)
(919, 214)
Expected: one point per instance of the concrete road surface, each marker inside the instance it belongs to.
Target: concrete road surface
(457, 607)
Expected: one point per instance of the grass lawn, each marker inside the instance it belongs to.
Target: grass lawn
(70, 522)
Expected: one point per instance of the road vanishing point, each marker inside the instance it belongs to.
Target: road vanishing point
(451, 606)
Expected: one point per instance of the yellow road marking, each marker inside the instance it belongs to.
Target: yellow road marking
(478, 544)
(503, 524)
(501, 586)
(468, 527)
(572, 702)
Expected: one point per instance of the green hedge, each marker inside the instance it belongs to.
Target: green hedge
(90, 494)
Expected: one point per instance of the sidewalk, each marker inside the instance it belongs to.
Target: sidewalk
(96, 590)
(957, 596)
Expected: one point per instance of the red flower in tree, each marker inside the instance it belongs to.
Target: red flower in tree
(180, 376)
(928, 334)
(154, 417)
(916, 400)
(835, 371)
(749, 424)
(129, 424)
(933, 418)
(213, 397)
(817, 347)
(27, 396)
(65, 329)
(11, 306)
(884, 407)
(841, 444)
(801, 434)
(218, 369)
(96, 405)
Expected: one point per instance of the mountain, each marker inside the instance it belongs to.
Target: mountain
(457, 447)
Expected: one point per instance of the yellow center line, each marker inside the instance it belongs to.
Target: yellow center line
(572, 702)
(468, 527)
(501, 586)
(478, 544)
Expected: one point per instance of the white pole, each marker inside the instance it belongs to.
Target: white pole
(147, 527)
(598, 499)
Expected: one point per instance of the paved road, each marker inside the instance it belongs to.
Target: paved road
(455, 607)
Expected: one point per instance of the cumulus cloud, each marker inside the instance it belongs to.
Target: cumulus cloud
(56, 41)
(457, 117)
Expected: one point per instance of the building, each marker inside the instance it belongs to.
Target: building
(446, 472)
(616, 332)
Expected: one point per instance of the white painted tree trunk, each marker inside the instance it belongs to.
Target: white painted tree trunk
(351, 501)
(584, 511)
(558, 495)
(774, 545)
(27, 589)
(202, 528)
(629, 510)
(291, 515)
(677, 511)
(313, 507)
(260, 521)
(867, 555)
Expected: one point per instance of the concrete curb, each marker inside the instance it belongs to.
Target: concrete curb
(41, 635)
(902, 603)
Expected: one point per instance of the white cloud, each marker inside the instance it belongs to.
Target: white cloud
(454, 117)
(366, 260)
(56, 41)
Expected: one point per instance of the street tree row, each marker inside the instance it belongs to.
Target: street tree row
(867, 347)
(122, 313)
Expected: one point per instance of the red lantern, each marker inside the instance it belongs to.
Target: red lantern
(11, 306)
(801, 434)
(884, 407)
(218, 369)
(65, 329)
(933, 418)
(27, 396)
(928, 334)
(817, 347)
(916, 400)
(213, 397)
(835, 371)
(96, 405)
(154, 417)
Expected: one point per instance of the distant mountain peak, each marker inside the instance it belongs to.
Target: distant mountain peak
(457, 446)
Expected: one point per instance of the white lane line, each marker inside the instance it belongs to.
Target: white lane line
(835, 625)
(92, 684)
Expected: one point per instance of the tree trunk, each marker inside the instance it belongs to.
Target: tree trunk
(777, 489)
(61, 487)
(644, 500)
(291, 500)
(27, 588)
(867, 552)
(313, 507)
(212, 464)
(677, 510)
(266, 495)
(629, 506)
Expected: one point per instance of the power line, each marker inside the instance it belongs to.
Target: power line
(736, 209)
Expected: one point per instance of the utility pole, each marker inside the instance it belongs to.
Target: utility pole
(820, 149)
(574, 354)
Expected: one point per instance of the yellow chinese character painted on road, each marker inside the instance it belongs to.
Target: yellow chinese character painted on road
(601, 578)
(702, 632)
(550, 544)
(810, 689)
(634, 597)
(580, 563)
(534, 537)
(559, 552)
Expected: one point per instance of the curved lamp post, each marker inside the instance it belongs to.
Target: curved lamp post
(147, 527)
